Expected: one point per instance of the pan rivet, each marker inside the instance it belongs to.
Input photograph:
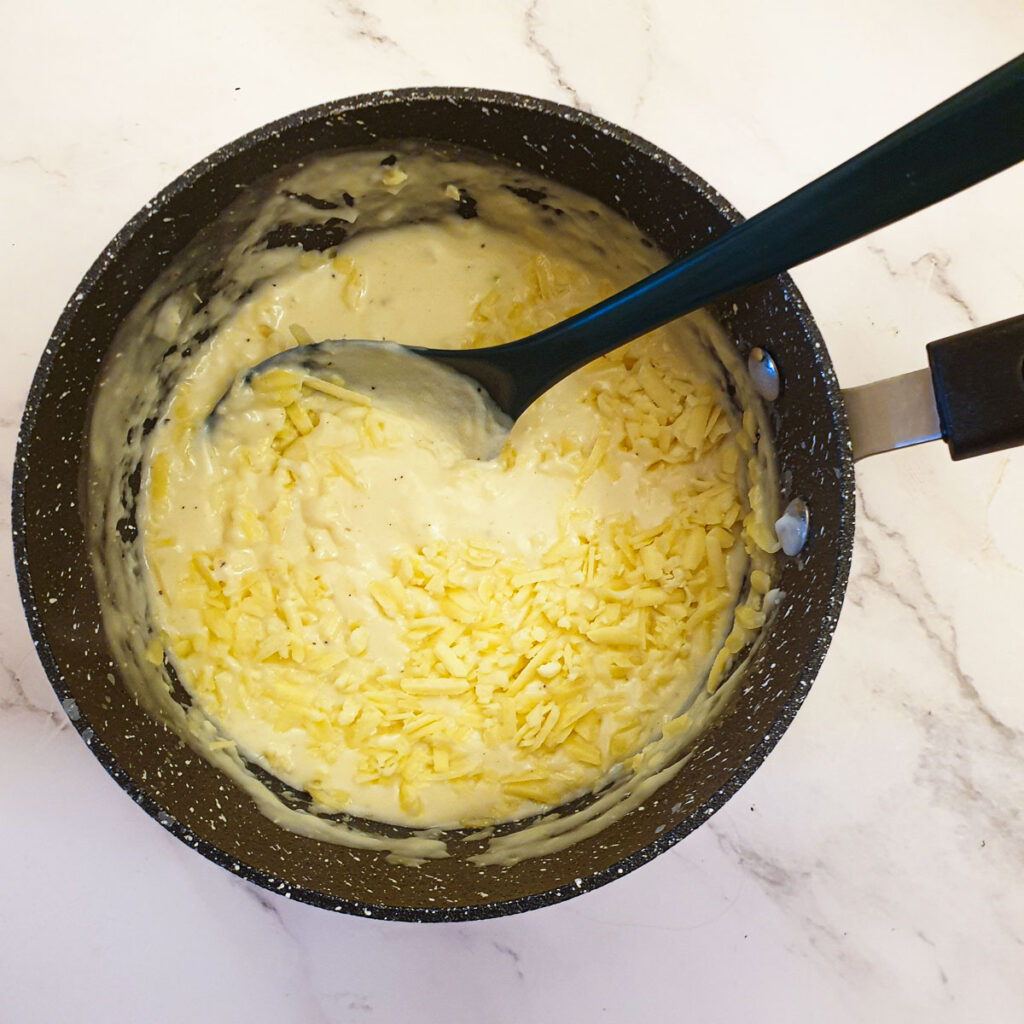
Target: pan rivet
(764, 374)
(791, 528)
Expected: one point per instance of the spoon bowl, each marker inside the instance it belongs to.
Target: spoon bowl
(416, 382)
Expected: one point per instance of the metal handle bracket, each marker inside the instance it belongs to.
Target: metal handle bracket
(892, 413)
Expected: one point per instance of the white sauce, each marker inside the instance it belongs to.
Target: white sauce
(438, 284)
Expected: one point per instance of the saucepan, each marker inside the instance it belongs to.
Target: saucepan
(812, 422)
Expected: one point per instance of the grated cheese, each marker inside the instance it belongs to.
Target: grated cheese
(496, 661)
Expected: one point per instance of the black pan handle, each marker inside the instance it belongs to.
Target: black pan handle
(978, 378)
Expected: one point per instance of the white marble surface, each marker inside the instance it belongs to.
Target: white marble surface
(872, 868)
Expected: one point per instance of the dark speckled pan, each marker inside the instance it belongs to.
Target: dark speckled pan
(192, 799)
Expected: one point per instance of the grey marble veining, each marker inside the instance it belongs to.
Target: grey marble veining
(870, 870)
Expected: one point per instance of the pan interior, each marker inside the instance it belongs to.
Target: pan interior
(665, 201)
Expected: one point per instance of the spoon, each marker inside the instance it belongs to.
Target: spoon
(971, 136)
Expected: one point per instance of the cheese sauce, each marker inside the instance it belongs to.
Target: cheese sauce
(404, 633)
(413, 636)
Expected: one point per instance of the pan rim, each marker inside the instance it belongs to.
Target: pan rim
(671, 835)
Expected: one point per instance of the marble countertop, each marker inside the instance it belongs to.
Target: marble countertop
(871, 869)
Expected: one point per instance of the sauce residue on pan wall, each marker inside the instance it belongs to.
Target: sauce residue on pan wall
(402, 633)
